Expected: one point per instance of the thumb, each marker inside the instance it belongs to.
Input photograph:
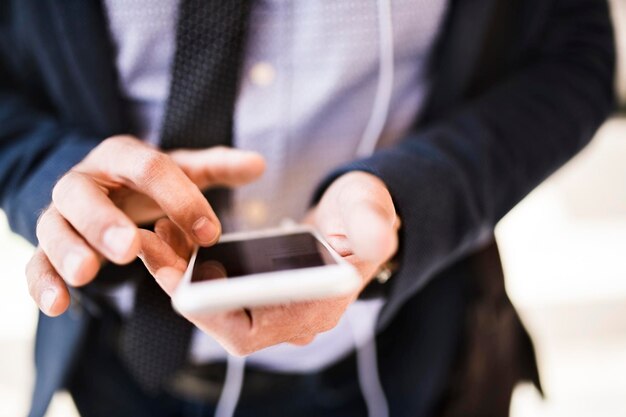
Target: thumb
(370, 220)
(371, 234)
(219, 166)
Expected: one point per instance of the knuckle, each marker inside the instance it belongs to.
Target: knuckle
(94, 231)
(111, 147)
(108, 143)
(150, 165)
(65, 186)
(113, 143)
(186, 210)
(265, 321)
(106, 147)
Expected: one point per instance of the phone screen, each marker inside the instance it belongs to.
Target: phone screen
(259, 255)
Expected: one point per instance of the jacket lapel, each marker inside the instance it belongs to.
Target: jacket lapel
(87, 53)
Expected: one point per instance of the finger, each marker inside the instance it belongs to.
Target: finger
(365, 268)
(140, 208)
(68, 253)
(340, 244)
(156, 254)
(220, 166)
(174, 237)
(45, 286)
(231, 329)
(370, 220)
(85, 205)
(144, 169)
(208, 167)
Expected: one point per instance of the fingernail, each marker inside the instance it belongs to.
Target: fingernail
(71, 265)
(48, 298)
(205, 230)
(118, 240)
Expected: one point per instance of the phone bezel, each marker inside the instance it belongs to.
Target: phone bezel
(269, 288)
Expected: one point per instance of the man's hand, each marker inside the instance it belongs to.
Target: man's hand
(357, 217)
(123, 182)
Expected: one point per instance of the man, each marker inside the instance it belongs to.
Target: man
(402, 131)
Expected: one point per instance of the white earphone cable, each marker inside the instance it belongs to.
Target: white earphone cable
(365, 338)
(235, 369)
(384, 90)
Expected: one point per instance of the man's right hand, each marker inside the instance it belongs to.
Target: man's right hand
(123, 182)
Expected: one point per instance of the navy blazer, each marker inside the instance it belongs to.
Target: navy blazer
(519, 86)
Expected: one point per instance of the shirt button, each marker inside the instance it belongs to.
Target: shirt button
(262, 74)
(255, 212)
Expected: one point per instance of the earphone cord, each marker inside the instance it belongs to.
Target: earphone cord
(365, 342)
(384, 90)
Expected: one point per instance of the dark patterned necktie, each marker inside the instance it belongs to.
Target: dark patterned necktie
(209, 46)
(210, 35)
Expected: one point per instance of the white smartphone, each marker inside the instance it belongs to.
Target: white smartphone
(261, 268)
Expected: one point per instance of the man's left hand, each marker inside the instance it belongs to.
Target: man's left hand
(355, 215)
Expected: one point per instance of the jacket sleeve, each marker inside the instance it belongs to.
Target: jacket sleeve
(453, 181)
(35, 150)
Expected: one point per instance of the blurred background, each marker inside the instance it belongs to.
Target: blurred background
(564, 254)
